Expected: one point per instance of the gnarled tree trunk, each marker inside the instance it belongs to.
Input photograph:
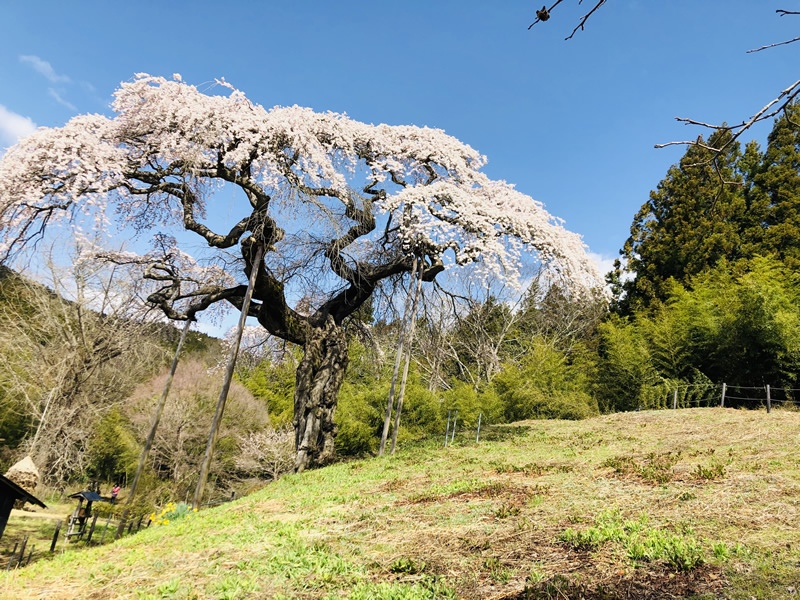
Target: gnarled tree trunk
(319, 377)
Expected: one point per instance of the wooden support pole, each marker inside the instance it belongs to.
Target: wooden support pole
(724, 389)
(478, 437)
(30, 555)
(148, 444)
(401, 342)
(447, 431)
(455, 419)
(675, 400)
(409, 343)
(102, 537)
(55, 536)
(91, 529)
(226, 383)
(769, 400)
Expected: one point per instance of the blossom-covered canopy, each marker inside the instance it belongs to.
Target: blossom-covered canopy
(340, 204)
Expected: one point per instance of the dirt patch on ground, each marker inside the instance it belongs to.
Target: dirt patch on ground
(641, 585)
(516, 564)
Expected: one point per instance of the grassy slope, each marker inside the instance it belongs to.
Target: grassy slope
(488, 521)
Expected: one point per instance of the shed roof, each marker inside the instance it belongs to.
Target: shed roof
(90, 496)
(9, 488)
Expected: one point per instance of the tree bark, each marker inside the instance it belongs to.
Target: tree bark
(319, 377)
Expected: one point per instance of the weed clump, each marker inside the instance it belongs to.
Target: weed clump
(715, 470)
(505, 511)
(655, 468)
(407, 566)
(639, 541)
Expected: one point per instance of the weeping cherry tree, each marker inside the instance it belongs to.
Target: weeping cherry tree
(339, 207)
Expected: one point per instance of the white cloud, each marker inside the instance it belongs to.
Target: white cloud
(44, 68)
(604, 263)
(58, 98)
(13, 127)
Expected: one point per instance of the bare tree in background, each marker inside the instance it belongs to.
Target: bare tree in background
(70, 350)
(181, 437)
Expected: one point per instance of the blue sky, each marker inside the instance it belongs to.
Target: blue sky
(571, 123)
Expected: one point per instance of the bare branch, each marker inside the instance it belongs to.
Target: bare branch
(797, 39)
(544, 15)
(585, 18)
(784, 99)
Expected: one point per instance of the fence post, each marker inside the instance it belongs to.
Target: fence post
(722, 401)
(447, 431)
(11, 558)
(453, 435)
(30, 554)
(478, 437)
(55, 536)
(675, 400)
(22, 550)
(769, 400)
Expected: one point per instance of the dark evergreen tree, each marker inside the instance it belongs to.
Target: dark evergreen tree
(698, 215)
(777, 184)
(712, 206)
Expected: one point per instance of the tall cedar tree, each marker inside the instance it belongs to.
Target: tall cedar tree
(692, 220)
(777, 184)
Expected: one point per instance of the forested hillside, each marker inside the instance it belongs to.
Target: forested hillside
(77, 385)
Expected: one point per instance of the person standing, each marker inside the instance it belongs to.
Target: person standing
(114, 493)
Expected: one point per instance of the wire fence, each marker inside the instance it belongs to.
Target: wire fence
(702, 395)
(722, 395)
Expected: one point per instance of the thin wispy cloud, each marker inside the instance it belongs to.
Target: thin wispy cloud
(604, 263)
(55, 95)
(44, 68)
(13, 127)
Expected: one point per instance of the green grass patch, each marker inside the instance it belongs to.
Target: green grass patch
(604, 507)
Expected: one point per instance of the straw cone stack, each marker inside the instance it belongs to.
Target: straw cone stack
(25, 475)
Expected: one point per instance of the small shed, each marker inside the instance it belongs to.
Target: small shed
(10, 492)
(82, 512)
